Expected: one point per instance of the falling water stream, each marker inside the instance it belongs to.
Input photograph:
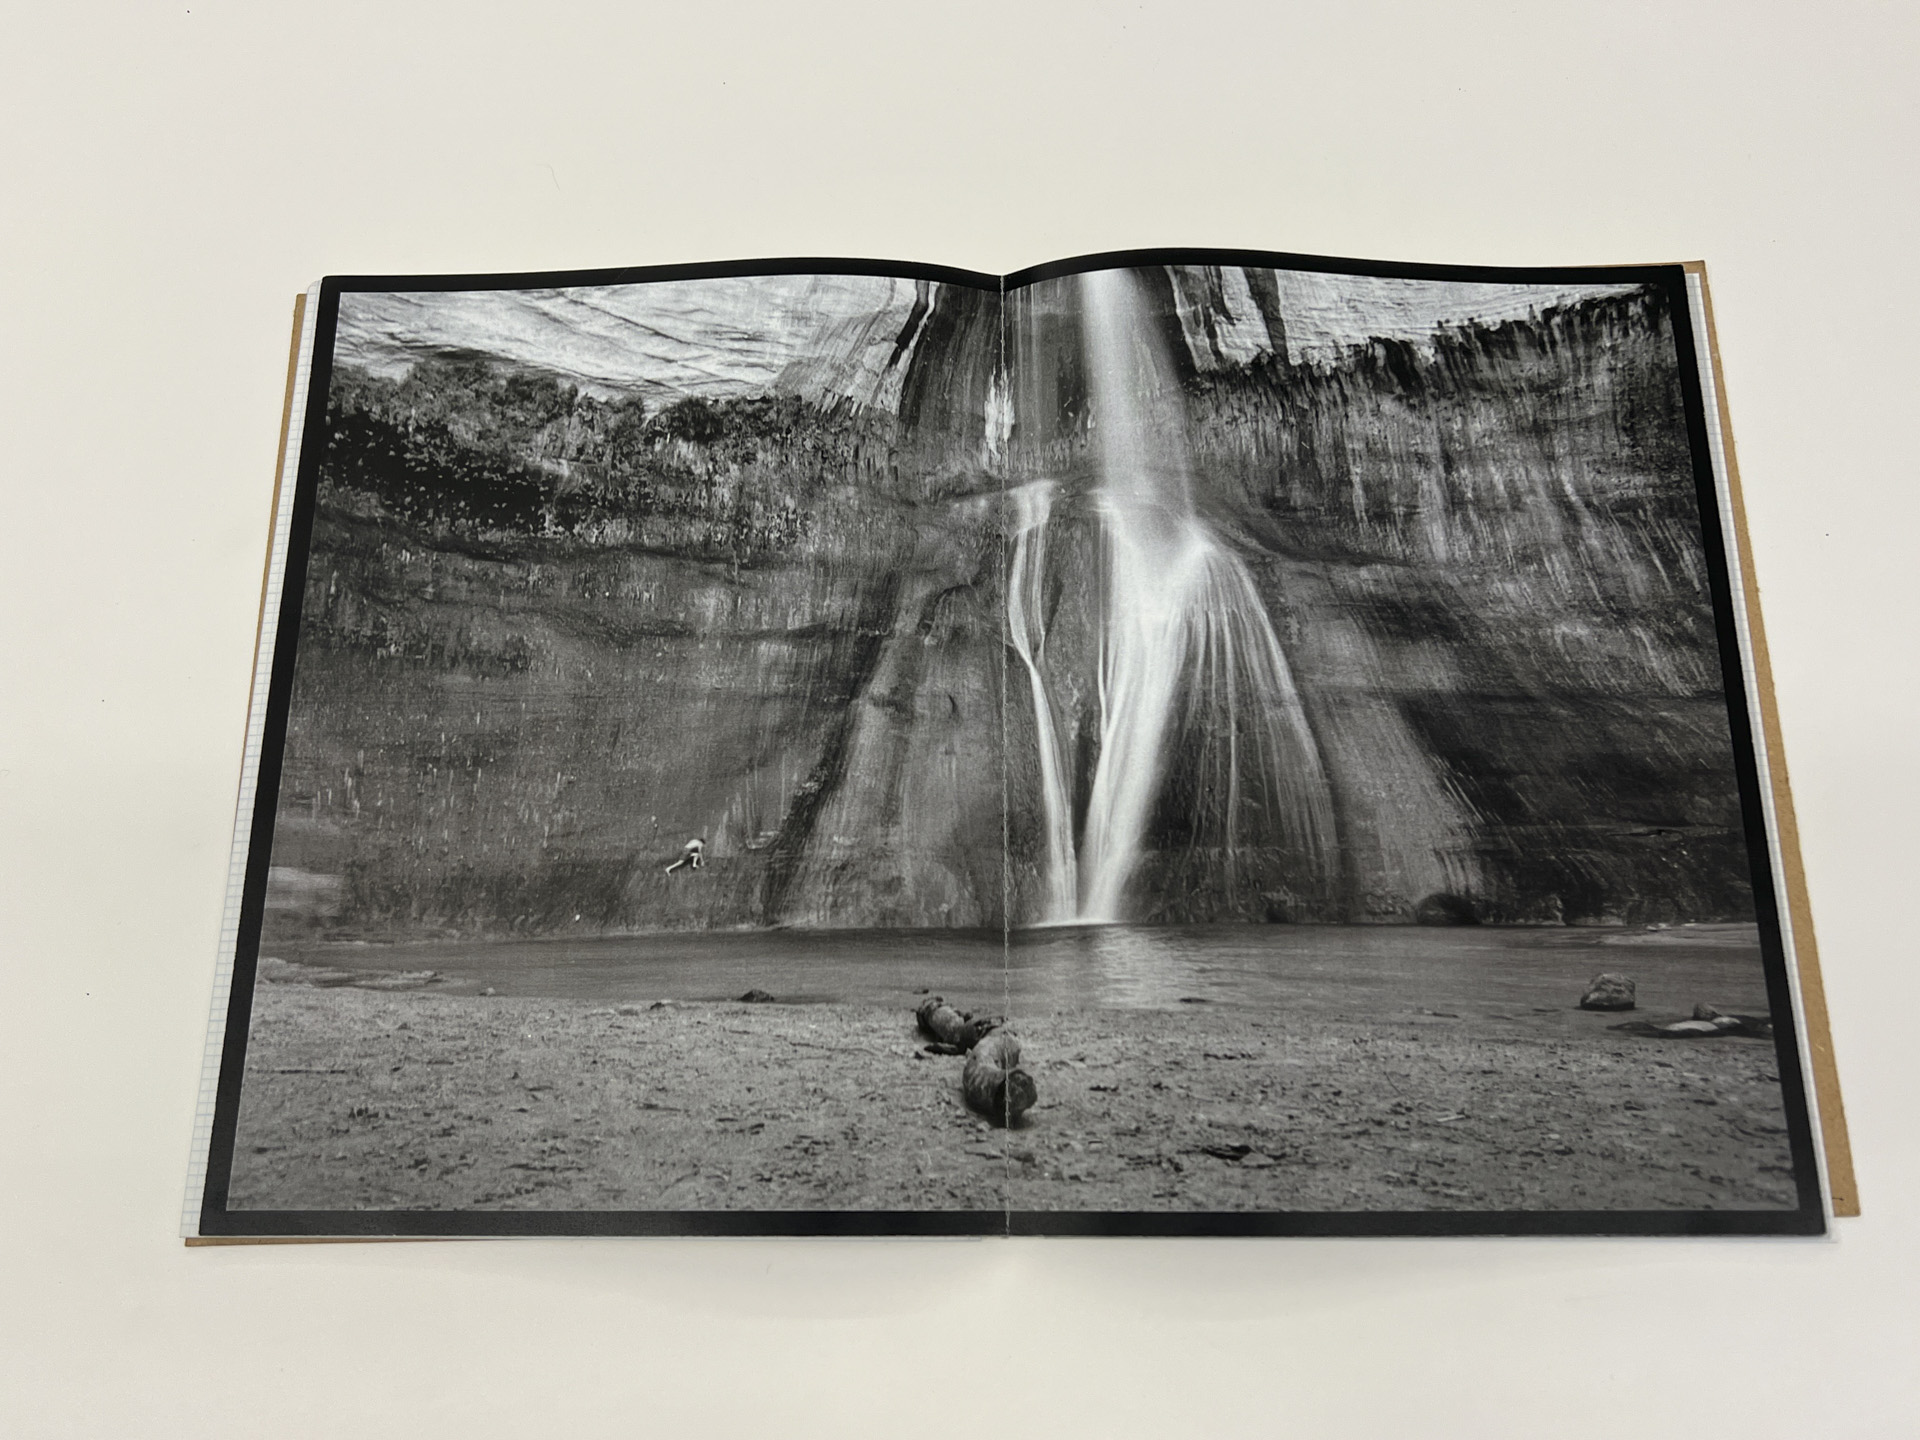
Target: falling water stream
(1185, 646)
(1025, 607)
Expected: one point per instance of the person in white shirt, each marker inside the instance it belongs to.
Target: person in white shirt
(690, 856)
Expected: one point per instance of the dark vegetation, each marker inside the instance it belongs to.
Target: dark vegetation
(469, 449)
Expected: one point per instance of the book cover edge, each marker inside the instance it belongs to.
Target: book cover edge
(1842, 1188)
(223, 975)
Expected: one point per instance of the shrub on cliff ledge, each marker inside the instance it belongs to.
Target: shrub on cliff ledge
(478, 449)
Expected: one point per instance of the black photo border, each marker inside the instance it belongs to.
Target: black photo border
(217, 1221)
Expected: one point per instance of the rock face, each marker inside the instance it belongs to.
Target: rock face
(1483, 559)
(1491, 553)
(1608, 991)
(547, 636)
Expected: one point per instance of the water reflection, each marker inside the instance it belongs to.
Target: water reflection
(1125, 966)
(1300, 969)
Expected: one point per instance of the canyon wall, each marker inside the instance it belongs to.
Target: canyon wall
(548, 637)
(1483, 558)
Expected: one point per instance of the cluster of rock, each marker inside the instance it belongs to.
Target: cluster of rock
(992, 1082)
(1612, 991)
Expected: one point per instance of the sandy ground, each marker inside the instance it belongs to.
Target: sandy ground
(358, 1099)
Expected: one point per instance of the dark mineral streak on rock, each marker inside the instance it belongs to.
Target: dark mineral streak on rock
(915, 317)
(855, 660)
(943, 395)
(1266, 296)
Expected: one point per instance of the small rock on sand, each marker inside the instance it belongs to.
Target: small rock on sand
(1608, 991)
(756, 996)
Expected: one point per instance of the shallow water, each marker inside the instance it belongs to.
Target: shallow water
(1306, 969)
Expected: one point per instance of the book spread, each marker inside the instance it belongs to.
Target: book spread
(1166, 743)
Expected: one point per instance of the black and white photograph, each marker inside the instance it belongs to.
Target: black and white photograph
(1182, 742)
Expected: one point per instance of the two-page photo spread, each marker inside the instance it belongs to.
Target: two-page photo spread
(1171, 743)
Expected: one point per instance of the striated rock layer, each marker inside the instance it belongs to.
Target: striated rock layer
(549, 636)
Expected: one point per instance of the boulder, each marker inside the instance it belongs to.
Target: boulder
(1608, 991)
(993, 1082)
(955, 1030)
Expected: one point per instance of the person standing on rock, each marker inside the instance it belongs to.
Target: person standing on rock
(690, 856)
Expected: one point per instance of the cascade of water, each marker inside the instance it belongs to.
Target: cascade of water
(1150, 578)
(1026, 629)
(1186, 649)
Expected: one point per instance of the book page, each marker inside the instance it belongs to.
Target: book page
(1389, 775)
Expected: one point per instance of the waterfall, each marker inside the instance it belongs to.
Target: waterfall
(1189, 666)
(1026, 631)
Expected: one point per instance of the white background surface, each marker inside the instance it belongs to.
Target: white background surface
(173, 173)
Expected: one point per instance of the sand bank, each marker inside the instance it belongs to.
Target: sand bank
(357, 1099)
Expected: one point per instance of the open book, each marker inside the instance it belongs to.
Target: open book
(1166, 743)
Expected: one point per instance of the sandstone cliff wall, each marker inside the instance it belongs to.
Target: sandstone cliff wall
(777, 623)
